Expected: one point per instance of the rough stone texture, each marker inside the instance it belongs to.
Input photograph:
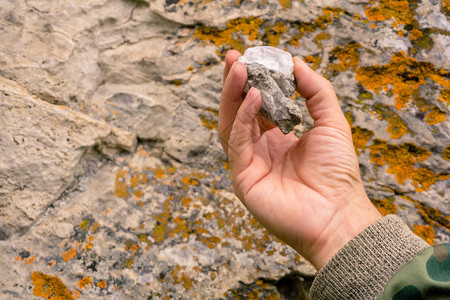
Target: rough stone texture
(112, 178)
(270, 70)
(276, 89)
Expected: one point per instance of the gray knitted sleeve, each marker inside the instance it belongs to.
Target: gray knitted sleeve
(362, 268)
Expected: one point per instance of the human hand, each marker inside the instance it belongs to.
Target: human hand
(306, 191)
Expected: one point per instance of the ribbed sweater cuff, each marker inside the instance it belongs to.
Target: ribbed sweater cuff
(362, 268)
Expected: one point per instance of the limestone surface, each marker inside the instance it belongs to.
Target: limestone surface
(113, 183)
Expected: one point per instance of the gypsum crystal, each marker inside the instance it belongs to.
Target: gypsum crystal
(270, 70)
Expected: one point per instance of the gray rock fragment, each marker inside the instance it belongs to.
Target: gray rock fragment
(276, 86)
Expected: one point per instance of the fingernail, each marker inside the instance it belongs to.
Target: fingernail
(232, 67)
(300, 61)
(253, 92)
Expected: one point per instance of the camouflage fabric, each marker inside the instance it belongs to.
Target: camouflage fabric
(426, 276)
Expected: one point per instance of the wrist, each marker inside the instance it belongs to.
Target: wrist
(345, 225)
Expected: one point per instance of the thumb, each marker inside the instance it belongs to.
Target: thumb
(321, 100)
(245, 132)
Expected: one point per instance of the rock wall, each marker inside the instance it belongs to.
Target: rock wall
(113, 184)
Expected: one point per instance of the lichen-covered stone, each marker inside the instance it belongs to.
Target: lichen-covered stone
(112, 220)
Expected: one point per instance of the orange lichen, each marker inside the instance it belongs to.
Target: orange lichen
(232, 33)
(189, 181)
(435, 116)
(85, 282)
(321, 36)
(69, 254)
(431, 215)
(102, 284)
(159, 172)
(180, 277)
(415, 34)
(403, 75)
(50, 287)
(144, 238)
(426, 232)
(30, 259)
(209, 123)
(120, 188)
(131, 247)
(446, 153)
(360, 138)
(128, 263)
(445, 96)
(348, 56)
(399, 10)
(446, 8)
(18, 258)
(251, 28)
(313, 61)
(397, 126)
(401, 162)
(159, 232)
(51, 264)
(89, 243)
(285, 4)
(273, 35)
(198, 2)
(76, 293)
(138, 193)
(385, 206)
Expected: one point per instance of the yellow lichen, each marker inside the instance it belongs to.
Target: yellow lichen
(232, 33)
(426, 232)
(85, 224)
(313, 61)
(445, 96)
(159, 172)
(401, 162)
(446, 8)
(238, 30)
(360, 138)
(400, 10)
(69, 254)
(285, 4)
(385, 206)
(180, 277)
(321, 36)
(273, 35)
(415, 34)
(30, 259)
(435, 116)
(209, 123)
(348, 57)
(120, 188)
(50, 287)
(85, 282)
(403, 75)
(446, 153)
(397, 126)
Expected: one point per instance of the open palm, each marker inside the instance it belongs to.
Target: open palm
(307, 191)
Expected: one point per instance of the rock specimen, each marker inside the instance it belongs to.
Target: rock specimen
(270, 70)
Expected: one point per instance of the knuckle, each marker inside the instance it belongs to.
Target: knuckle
(327, 84)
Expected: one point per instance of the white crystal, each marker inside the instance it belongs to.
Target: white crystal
(270, 57)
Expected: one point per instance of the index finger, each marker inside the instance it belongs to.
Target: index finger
(230, 58)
